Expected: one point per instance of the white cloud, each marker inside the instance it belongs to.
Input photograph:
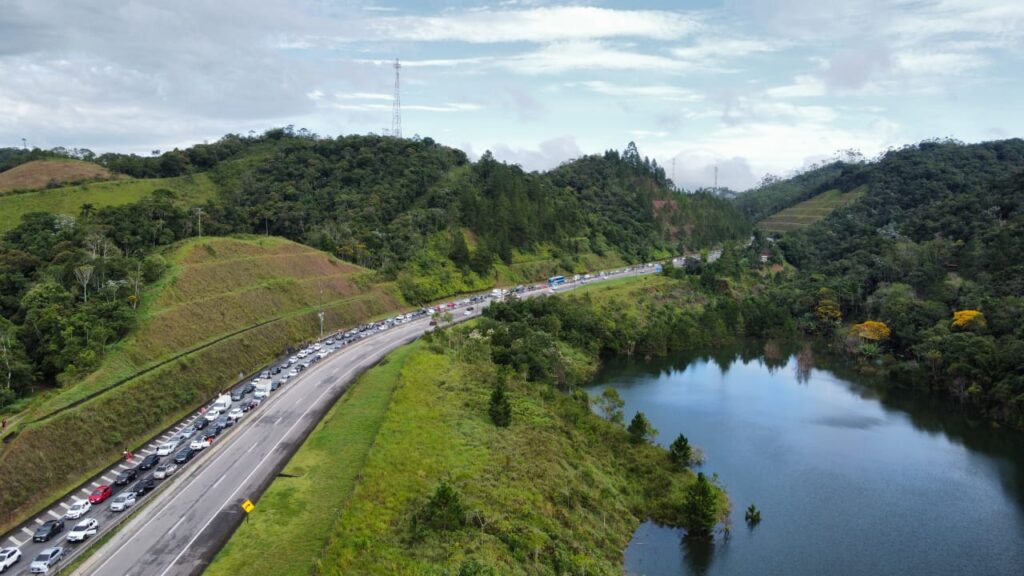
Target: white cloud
(448, 107)
(803, 86)
(560, 57)
(547, 155)
(649, 133)
(657, 91)
(714, 48)
(534, 25)
(362, 96)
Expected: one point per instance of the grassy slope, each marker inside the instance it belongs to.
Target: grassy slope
(39, 173)
(216, 287)
(69, 199)
(810, 211)
(545, 484)
(294, 516)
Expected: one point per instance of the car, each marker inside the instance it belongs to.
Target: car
(250, 386)
(126, 477)
(250, 405)
(275, 384)
(201, 423)
(293, 359)
(48, 530)
(285, 378)
(122, 502)
(187, 432)
(293, 373)
(100, 494)
(45, 560)
(215, 430)
(275, 371)
(9, 557)
(78, 509)
(201, 443)
(168, 448)
(237, 394)
(265, 374)
(235, 414)
(149, 461)
(164, 470)
(83, 530)
(225, 422)
(184, 456)
(467, 313)
(212, 414)
(144, 485)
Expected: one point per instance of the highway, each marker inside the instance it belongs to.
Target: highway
(195, 512)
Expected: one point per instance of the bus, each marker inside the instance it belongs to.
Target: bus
(556, 280)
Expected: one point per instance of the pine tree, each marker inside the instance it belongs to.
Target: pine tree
(680, 452)
(640, 429)
(699, 508)
(500, 408)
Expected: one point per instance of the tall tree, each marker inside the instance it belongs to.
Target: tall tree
(700, 508)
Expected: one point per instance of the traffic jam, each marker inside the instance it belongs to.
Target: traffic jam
(51, 540)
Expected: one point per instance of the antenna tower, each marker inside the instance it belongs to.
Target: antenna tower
(396, 110)
(716, 179)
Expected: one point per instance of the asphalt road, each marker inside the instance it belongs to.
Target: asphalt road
(190, 519)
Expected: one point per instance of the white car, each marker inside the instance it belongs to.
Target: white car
(236, 414)
(83, 530)
(78, 509)
(164, 470)
(168, 448)
(200, 443)
(9, 557)
(293, 373)
(212, 414)
(122, 502)
(46, 560)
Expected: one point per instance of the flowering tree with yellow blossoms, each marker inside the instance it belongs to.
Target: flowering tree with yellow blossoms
(968, 320)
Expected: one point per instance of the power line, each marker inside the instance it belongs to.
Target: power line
(396, 109)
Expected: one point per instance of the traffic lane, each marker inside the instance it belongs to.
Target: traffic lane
(174, 526)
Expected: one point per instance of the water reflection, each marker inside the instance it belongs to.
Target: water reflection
(854, 476)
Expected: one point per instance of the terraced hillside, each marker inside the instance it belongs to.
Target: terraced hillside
(42, 173)
(194, 189)
(227, 305)
(809, 211)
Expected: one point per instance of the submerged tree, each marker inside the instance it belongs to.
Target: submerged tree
(753, 515)
(699, 509)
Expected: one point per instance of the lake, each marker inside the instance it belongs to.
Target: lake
(849, 478)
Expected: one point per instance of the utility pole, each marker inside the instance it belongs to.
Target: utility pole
(320, 314)
(24, 143)
(199, 216)
(716, 179)
(396, 108)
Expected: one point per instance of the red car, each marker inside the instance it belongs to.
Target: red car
(100, 494)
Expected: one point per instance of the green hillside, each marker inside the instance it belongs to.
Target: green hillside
(193, 189)
(809, 211)
(225, 305)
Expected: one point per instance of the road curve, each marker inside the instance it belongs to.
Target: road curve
(186, 523)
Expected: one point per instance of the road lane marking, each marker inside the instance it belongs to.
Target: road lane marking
(251, 448)
(278, 421)
(176, 524)
(54, 514)
(107, 479)
(17, 543)
(27, 531)
(66, 507)
(39, 520)
(217, 482)
(96, 484)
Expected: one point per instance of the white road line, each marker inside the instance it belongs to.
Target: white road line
(54, 514)
(17, 543)
(276, 422)
(96, 484)
(86, 490)
(176, 524)
(251, 448)
(107, 479)
(66, 507)
(217, 482)
(39, 520)
(27, 531)
(124, 466)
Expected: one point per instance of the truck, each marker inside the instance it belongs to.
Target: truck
(262, 391)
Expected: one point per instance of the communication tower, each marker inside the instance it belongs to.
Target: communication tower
(396, 110)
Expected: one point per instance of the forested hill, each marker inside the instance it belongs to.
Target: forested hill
(935, 251)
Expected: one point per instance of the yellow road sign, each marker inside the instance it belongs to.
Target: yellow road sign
(248, 506)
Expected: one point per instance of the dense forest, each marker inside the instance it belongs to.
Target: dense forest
(923, 277)
(412, 209)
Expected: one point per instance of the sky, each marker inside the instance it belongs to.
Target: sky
(750, 86)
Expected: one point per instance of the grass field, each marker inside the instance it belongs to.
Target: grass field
(228, 305)
(560, 487)
(294, 516)
(69, 199)
(809, 211)
(41, 173)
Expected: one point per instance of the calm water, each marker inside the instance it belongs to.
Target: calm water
(848, 481)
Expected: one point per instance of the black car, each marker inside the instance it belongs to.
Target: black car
(184, 456)
(149, 461)
(274, 385)
(144, 485)
(215, 430)
(248, 387)
(48, 530)
(237, 394)
(224, 422)
(276, 370)
(126, 477)
(201, 423)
